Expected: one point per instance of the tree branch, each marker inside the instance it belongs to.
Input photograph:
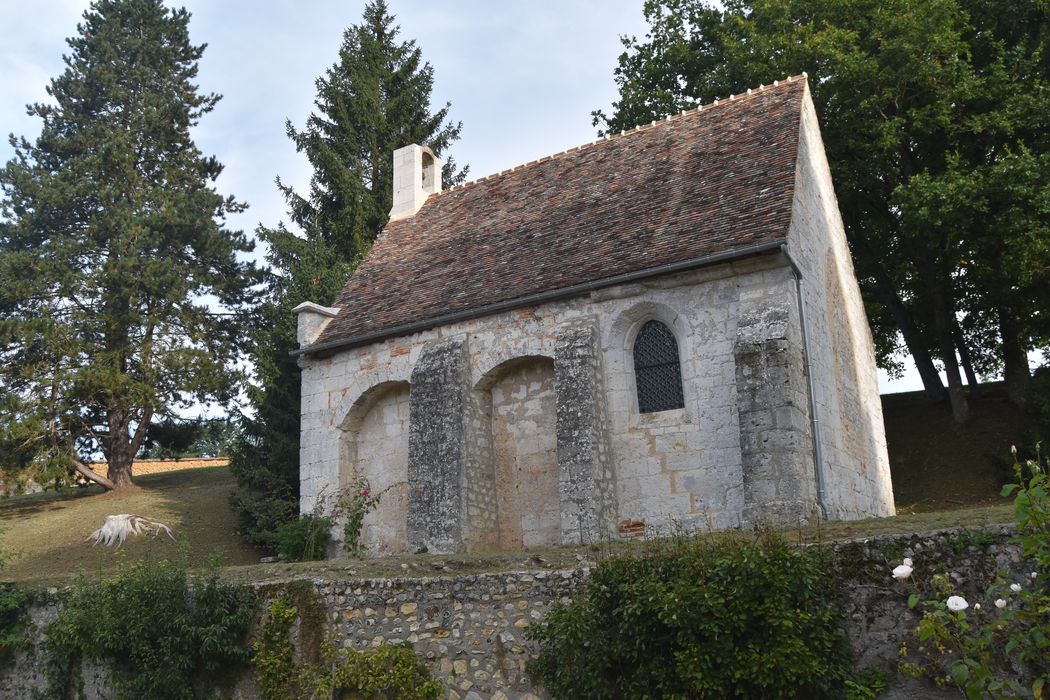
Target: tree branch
(91, 475)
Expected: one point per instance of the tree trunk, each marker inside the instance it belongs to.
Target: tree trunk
(886, 294)
(967, 361)
(119, 454)
(1015, 359)
(120, 467)
(94, 476)
(944, 320)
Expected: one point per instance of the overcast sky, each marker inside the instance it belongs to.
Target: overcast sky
(522, 77)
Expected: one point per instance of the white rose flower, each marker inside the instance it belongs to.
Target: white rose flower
(957, 603)
(907, 561)
(1000, 603)
(976, 606)
(1035, 574)
(1015, 587)
(902, 572)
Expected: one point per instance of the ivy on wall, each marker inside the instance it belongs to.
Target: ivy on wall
(159, 633)
(392, 671)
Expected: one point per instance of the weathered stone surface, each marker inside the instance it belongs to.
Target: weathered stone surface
(470, 630)
(436, 447)
(680, 468)
(524, 455)
(587, 484)
(856, 465)
(776, 444)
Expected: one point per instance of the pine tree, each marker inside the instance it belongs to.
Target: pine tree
(120, 288)
(374, 99)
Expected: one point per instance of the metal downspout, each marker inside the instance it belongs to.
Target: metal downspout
(818, 450)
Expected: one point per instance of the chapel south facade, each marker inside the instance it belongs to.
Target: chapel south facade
(659, 329)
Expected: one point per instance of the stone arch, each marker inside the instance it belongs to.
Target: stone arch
(517, 405)
(488, 364)
(620, 343)
(374, 446)
(364, 383)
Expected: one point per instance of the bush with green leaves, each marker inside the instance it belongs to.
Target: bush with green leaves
(160, 634)
(391, 671)
(701, 617)
(13, 622)
(304, 539)
(998, 647)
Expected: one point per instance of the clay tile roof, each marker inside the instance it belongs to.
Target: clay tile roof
(710, 181)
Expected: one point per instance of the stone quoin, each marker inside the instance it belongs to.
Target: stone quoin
(658, 329)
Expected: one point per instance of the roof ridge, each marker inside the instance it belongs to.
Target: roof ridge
(626, 132)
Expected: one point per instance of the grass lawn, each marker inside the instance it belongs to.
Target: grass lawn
(943, 477)
(43, 536)
(570, 557)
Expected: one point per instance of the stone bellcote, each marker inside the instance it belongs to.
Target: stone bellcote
(417, 175)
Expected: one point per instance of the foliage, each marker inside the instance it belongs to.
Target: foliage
(866, 685)
(704, 617)
(274, 653)
(374, 99)
(122, 292)
(387, 671)
(987, 650)
(201, 437)
(1039, 405)
(355, 502)
(158, 632)
(935, 117)
(13, 623)
(304, 539)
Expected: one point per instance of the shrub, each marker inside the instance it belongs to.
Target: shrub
(305, 539)
(157, 632)
(13, 623)
(992, 648)
(704, 617)
(391, 671)
(260, 514)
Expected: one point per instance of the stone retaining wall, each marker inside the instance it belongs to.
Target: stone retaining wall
(470, 629)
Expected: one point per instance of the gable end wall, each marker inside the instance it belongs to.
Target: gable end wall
(856, 467)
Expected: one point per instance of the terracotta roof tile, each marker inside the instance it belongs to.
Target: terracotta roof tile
(712, 180)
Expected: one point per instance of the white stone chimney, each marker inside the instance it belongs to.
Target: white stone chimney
(417, 175)
(312, 319)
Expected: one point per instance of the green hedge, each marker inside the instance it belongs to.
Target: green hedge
(706, 617)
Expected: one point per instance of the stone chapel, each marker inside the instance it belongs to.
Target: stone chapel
(660, 328)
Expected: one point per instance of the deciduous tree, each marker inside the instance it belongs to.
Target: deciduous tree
(934, 115)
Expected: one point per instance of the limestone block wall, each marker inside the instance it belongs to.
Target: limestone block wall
(379, 453)
(776, 440)
(857, 474)
(619, 471)
(525, 456)
(741, 447)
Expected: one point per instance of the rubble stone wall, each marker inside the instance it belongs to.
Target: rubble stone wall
(470, 630)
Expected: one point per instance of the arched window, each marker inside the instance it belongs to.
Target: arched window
(657, 372)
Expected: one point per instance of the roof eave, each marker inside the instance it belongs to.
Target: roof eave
(331, 347)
